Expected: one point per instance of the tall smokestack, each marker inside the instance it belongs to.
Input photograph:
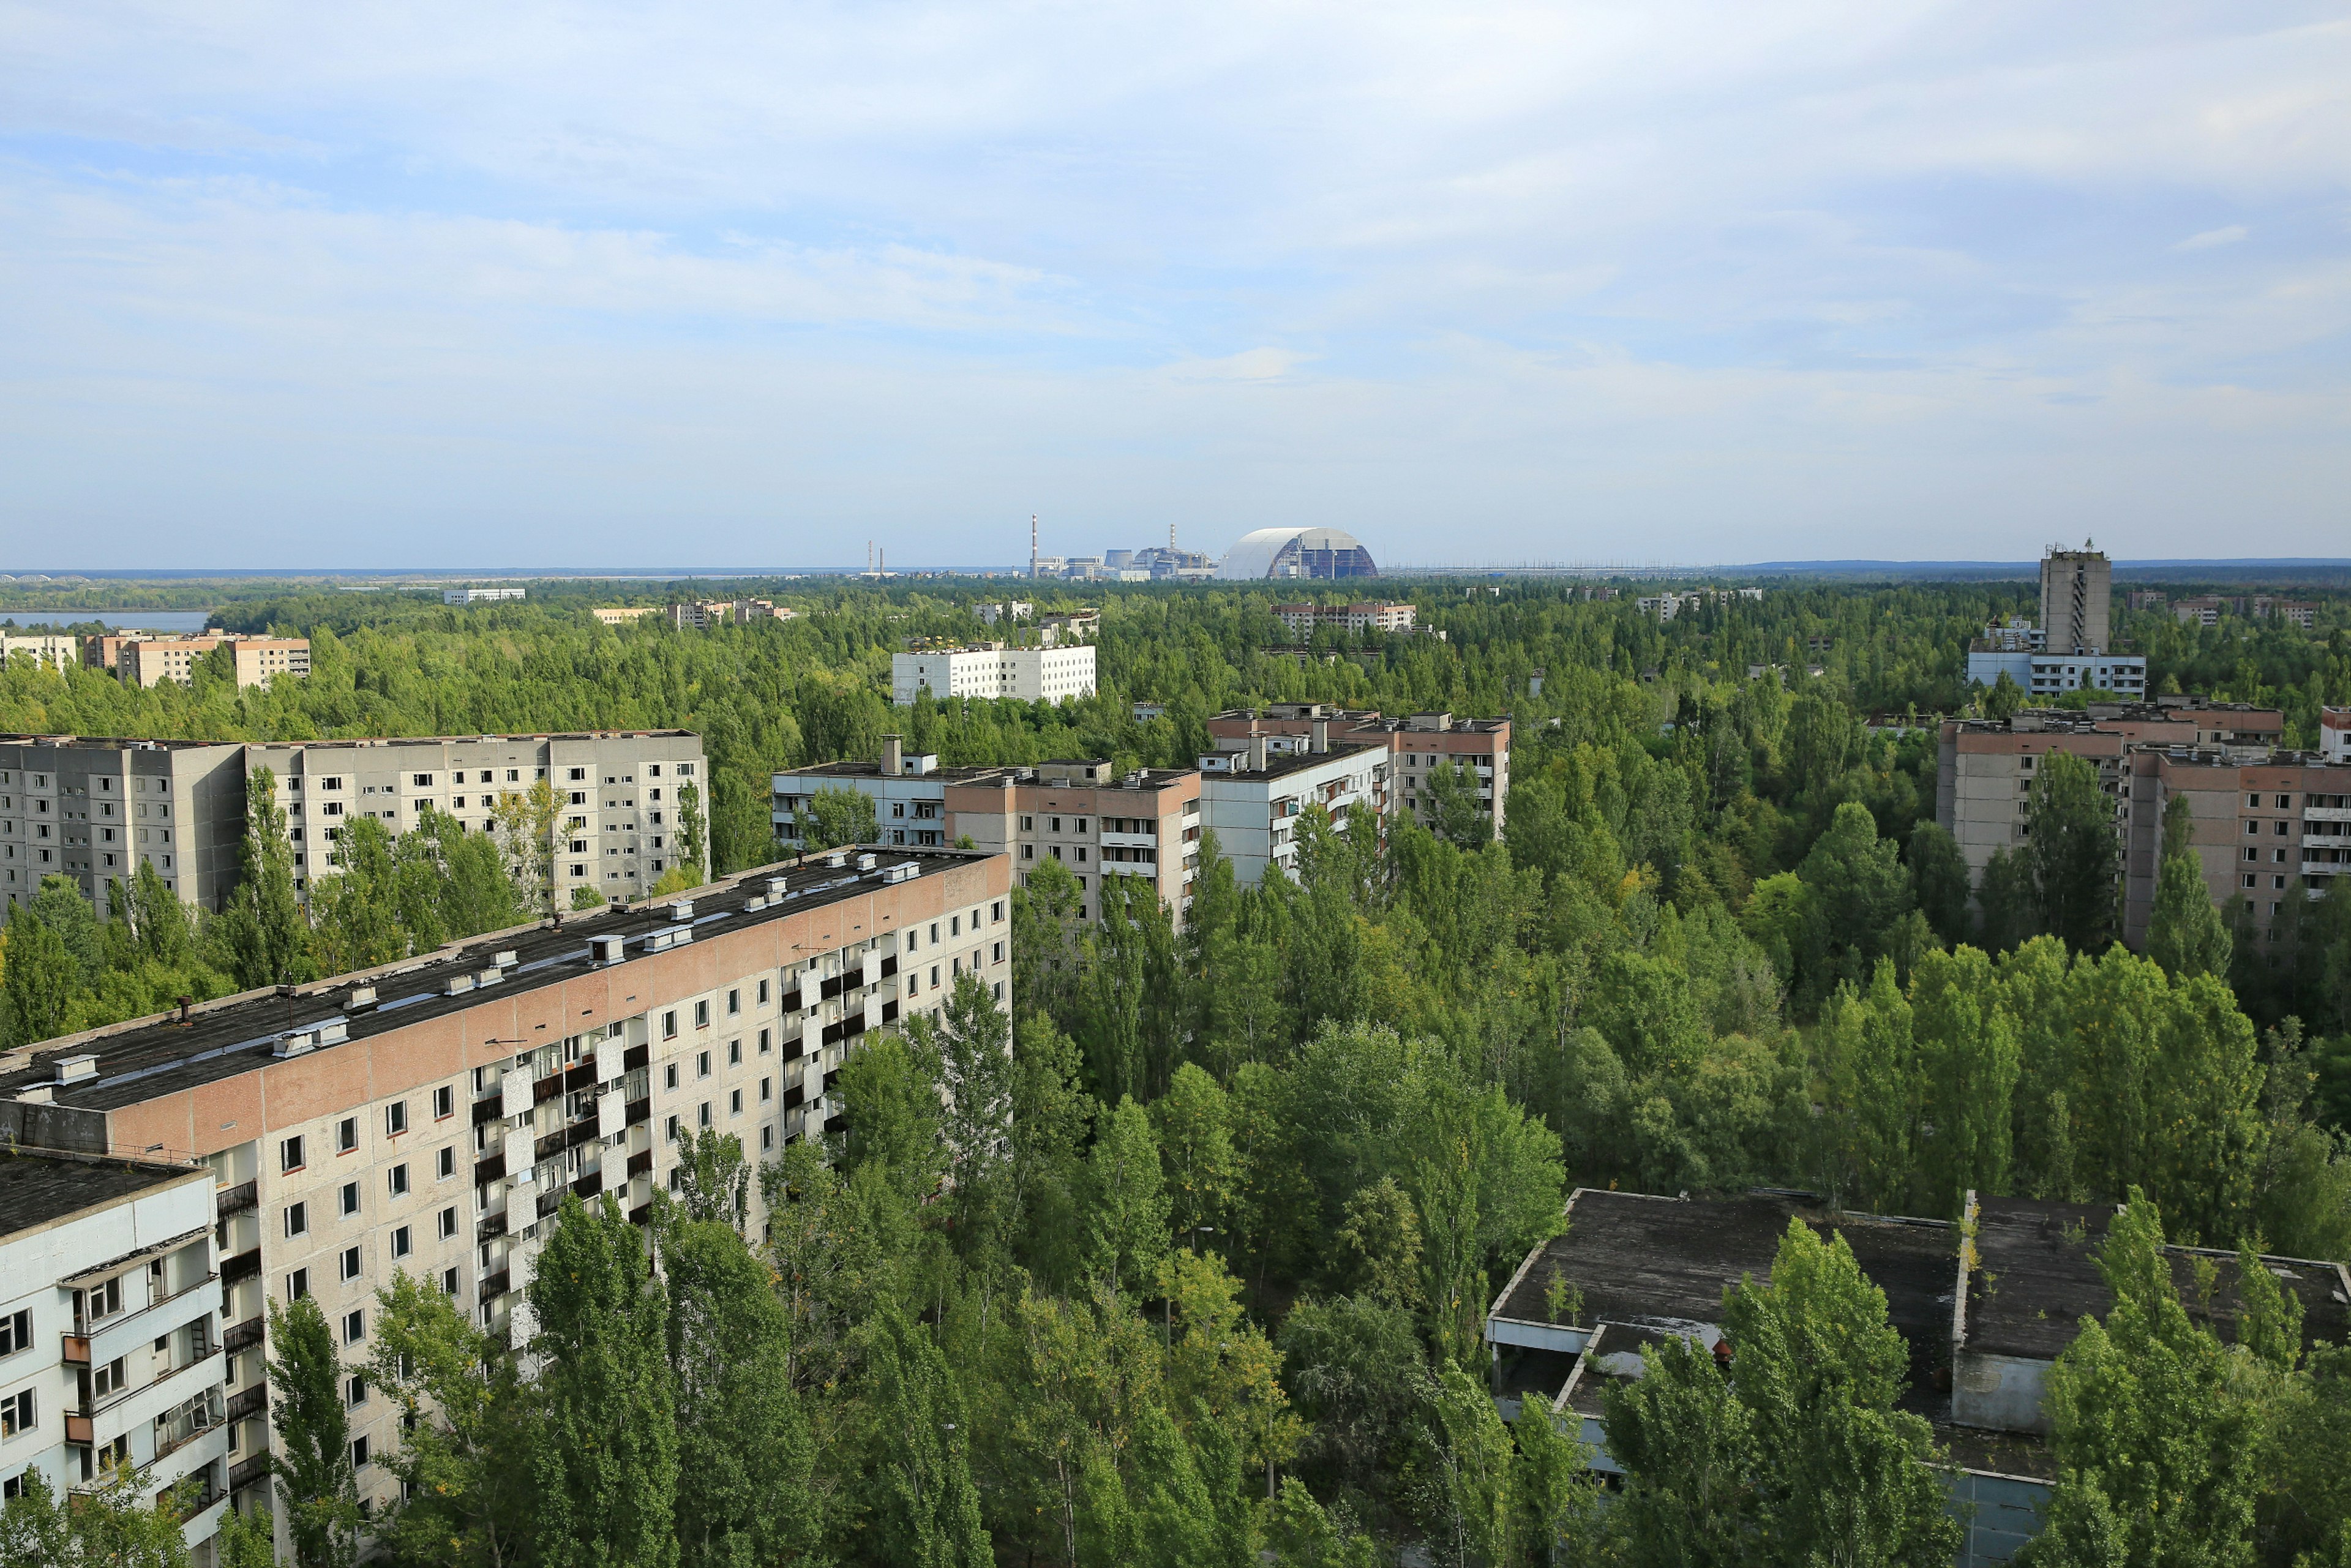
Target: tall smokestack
(1032, 544)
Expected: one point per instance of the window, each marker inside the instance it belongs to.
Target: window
(350, 1262)
(763, 993)
(354, 1326)
(955, 924)
(995, 954)
(576, 775)
(289, 1155)
(359, 1452)
(2285, 802)
(395, 1118)
(701, 1064)
(702, 1015)
(767, 1137)
(346, 1134)
(669, 1076)
(351, 1196)
(996, 913)
(705, 1117)
(17, 1415)
(734, 1053)
(445, 1164)
(297, 1219)
(669, 1130)
(397, 1179)
(448, 1222)
(298, 1284)
(448, 1282)
(16, 1331)
(421, 780)
(404, 1242)
(767, 1091)
(109, 1378)
(669, 1026)
(766, 1044)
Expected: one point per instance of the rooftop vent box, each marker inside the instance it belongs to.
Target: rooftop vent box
(867, 862)
(505, 959)
(334, 1032)
(606, 949)
(905, 870)
(295, 1042)
(489, 977)
(359, 997)
(776, 886)
(458, 984)
(74, 1069)
(681, 910)
(753, 905)
(836, 860)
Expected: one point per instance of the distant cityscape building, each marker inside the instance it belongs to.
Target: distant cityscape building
(112, 1321)
(1098, 824)
(92, 809)
(480, 595)
(1302, 620)
(702, 614)
(625, 614)
(150, 661)
(1315, 554)
(1666, 606)
(2335, 734)
(63, 653)
(2068, 651)
(616, 793)
(1011, 609)
(991, 671)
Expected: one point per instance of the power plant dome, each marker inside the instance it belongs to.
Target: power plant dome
(1310, 553)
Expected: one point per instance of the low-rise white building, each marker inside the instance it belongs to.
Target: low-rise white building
(992, 671)
(1251, 799)
(111, 1358)
(480, 595)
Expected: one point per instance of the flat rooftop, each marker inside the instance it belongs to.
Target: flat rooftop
(119, 743)
(468, 739)
(873, 770)
(2038, 1280)
(139, 1061)
(37, 1187)
(1282, 765)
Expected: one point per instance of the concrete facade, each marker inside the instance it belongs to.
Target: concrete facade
(147, 661)
(993, 672)
(430, 1115)
(2268, 828)
(58, 652)
(111, 1352)
(2076, 592)
(616, 831)
(1252, 799)
(1417, 743)
(91, 809)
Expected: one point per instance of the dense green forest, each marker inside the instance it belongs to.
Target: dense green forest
(1195, 1270)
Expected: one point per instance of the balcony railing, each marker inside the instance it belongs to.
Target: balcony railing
(248, 1402)
(242, 1336)
(247, 1472)
(237, 1199)
(244, 1266)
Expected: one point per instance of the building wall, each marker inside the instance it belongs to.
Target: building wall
(617, 829)
(2264, 831)
(1028, 674)
(93, 810)
(1986, 778)
(156, 1245)
(143, 661)
(1254, 814)
(2075, 588)
(739, 1017)
(62, 652)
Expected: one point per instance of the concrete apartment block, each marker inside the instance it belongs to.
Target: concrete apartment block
(992, 671)
(92, 808)
(2266, 823)
(430, 1115)
(2076, 590)
(617, 831)
(1252, 799)
(59, 653)
(146, 661)
(1147, 823)
(481, 595)
(1417, 743)
(112, 1354)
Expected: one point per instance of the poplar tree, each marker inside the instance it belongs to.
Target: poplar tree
(2185, 933)
(40, 982)
(604, 1455)
(2072, 848)
(316, 1487)
(262, 930)
(1126, 1226)
(926, 1506)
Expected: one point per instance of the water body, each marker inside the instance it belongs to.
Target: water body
(115, 620)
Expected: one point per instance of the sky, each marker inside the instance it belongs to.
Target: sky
(433, 284)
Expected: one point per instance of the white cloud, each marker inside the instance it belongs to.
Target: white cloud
(1699, 270)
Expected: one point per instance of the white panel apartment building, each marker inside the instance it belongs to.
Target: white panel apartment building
(111, 1356)
(430, 1116)
(993, 671)
(617, 829)
(1252, 799)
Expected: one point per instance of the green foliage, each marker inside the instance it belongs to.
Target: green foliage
(835, 817)
(2185, 933)
(262, 930)
(2074, 851)
(466, 1416)
(604, 1453)
(110, 1525)
(317, 1492)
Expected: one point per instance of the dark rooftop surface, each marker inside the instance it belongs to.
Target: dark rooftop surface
(119, 743)
(358, 741)
(1279, 766)
(35, 1189)
(2037, 1279)
(144, 1060)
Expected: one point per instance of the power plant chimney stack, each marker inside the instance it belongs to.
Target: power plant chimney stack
(1032, 544)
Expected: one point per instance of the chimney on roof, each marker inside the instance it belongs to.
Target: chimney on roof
(894, 755)
(1322, 736)
(1257, 754)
